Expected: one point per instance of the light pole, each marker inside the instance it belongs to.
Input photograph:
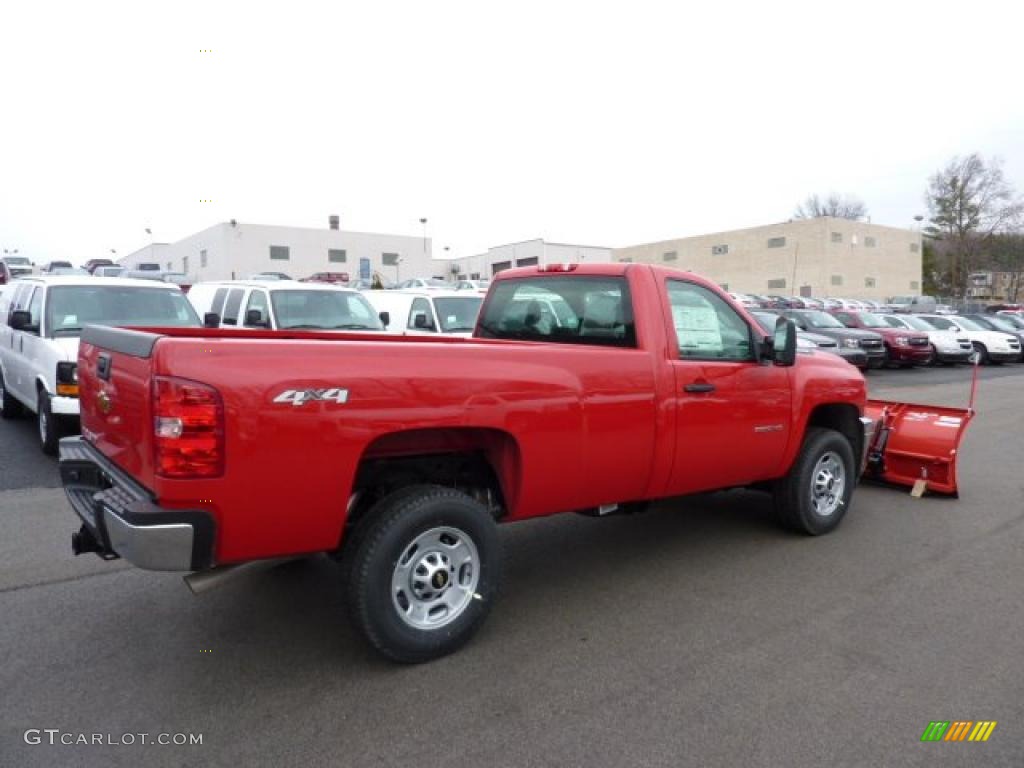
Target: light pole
(423, 221)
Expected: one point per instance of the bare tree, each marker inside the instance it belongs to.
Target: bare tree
(834, 205)
(969, 202)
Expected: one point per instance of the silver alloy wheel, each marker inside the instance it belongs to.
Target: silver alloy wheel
(435, 578)
(828, 482)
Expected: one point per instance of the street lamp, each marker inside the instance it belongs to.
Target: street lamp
(423, 221)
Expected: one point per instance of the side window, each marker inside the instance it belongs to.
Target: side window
(421, 307)
(231, 307)
(35, 308)
(218, 301)
(707, 328)
(257, 301)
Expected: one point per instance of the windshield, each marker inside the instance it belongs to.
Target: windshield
(896, 322)
(20, 260)
(870, 320)
(938, 323)
(820, 320)
(1000, 324)
(1013, 320)
(917, 323)
(901, 300)
(457, 313)
(70, 307)
(327, 310)
(970, 325)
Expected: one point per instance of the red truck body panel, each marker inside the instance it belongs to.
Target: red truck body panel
(563, 426)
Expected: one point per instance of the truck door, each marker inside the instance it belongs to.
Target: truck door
(732, 413)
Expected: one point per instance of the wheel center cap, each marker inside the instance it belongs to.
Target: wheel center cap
(440, 580)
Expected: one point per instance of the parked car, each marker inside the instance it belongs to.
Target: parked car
(997, 323)
(903, 347)
(421, 449)
(991, 346)
(67, 271)
(270, 276)
(91, 265)
(425, 284)
(13, 267)
(947, 346)
(826, 324)
(51, 266)
(944, 309)
(746, 300)
(417, 313)
(478, 286)
(914, 304)
(855, 356)
(810, 303)
(114, 270)
(41, 320)
(335, 278)
(282, 305)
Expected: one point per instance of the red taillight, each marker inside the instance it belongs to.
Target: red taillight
(188, 428)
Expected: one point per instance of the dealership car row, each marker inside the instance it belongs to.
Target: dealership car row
(41, 318)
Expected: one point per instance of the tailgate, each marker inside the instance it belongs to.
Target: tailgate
(114, 375)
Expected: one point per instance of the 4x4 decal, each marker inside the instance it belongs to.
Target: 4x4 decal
(302, 396)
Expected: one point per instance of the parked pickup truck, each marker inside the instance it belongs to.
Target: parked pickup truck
(205, 449)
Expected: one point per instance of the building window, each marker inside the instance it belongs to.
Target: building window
(869, 282)
(531, 262)
(389, 259)
(869, 242)
(778, 283)
(837, 237)
(719, 250)
(184, 264)
(776, 242)
(474, 276)
(914, 247)
(170, 267)
(202, 258)
(336, 256)
(914, 285)
(837, 279)
(279, 253)
(669, 256)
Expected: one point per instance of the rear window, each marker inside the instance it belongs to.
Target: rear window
(70, 308)
(457, 313)
(566, 309)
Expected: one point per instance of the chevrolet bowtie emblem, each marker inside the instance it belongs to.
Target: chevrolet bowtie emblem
(104, 402)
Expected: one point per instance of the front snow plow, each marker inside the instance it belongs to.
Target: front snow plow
(915, 445)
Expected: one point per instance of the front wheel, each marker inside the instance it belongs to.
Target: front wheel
(982, 352)
(816, 493)
(49, 428)
(423, 572)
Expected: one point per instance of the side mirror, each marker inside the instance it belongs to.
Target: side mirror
(420, 321)
(385, 318)
(254, 317)
(211, 320)
(22, 320)
(784, 342)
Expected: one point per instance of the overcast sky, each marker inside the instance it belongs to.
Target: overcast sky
(583, 122)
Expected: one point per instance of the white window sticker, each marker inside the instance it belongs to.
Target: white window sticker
(698, 329)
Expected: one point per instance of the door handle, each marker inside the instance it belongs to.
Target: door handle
(697, 388)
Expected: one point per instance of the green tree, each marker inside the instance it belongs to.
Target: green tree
(969, 202)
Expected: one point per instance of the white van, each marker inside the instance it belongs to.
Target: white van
(418, 313)
(282, 305)
(41, 319)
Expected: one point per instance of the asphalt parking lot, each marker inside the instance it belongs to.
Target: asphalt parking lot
(695, 634)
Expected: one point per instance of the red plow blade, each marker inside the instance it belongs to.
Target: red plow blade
(916, 445)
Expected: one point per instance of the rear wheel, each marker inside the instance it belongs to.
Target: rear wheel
(9, 407)
(816, 493)
(423, 572)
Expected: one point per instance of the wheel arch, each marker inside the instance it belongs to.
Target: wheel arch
(843, 418)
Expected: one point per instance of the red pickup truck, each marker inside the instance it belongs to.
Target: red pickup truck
(588, 388)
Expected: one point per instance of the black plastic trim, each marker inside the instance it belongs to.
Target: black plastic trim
(134, 343)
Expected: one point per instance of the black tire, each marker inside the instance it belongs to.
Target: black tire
(793, 493)
(982, 350)
(10, 408)
(382, 542)
(48, 425)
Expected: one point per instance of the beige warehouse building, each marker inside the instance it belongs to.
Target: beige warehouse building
(824, 256)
